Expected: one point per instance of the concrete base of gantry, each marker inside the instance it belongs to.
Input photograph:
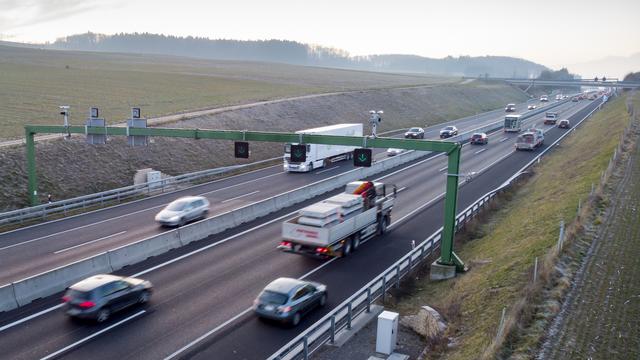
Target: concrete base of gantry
(442, 272)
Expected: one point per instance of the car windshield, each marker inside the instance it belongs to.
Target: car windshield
(270, 297)
(477, 135)
(449, 128)
(178, 205)
(414, 130)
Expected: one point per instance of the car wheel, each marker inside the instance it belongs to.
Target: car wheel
(181, 222)
(144, 297)
(296, 319)
(356, 242)
(323, 300)
(346, 248)
(103, 315)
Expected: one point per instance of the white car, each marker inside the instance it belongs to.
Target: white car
(183, 210)
(394, 152)
(531, 107)
(448, 131)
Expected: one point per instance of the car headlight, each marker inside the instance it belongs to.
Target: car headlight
(174, 218)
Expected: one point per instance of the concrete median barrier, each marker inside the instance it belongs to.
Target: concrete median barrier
(143, 249)
(7, 298)
(56, 280)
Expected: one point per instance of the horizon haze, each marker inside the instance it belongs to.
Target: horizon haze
(537, 32)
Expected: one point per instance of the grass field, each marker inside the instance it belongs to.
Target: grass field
(502, 249)
(35, 82)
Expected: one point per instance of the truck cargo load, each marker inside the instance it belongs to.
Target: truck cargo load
(320, 155)
(337, 225)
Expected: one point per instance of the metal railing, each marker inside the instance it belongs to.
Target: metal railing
(119, 194)
(341, 318)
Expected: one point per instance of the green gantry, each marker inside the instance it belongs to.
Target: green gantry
(452, 149)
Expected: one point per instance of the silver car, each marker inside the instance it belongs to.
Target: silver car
(183, 210)
(287, 300)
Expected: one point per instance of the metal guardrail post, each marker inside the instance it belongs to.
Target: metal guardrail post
(349, 313)
(384, 286)
(306, 347)
(368, 300)
(398, 277)
(333, 329)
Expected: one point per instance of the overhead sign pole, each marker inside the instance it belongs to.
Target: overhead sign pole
(448, 258)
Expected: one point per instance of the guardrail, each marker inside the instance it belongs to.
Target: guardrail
(340, 318)
(49, 282)
(63, 206)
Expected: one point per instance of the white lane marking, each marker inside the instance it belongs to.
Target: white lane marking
(401, 189)
(18, 322)
(420, 208)
(443, 169)
(242, 183)
(125, 215)
(132, 202)
(318, 268)
(409, 167)
(89, 242)
(66, 348)
(241, 196)
(208, 333)
(504, 139)
(479, 151)
(212, 245)
(325, 170)
(237, 316)
(259, 226)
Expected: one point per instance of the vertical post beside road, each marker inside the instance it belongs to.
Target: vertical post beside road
(31, 167)
(447, 255)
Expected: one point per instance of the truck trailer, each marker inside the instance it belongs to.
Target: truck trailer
(320, 155)
(338, 225)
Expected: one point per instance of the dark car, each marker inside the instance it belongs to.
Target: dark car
(448, 131)
(564, 124)
(510, 108)
(414, 133)
(479, 138)
(287, 300)
(100, 296)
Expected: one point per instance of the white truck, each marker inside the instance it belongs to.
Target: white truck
(338, 225)
(512, 123)
(550, 118)
(319, 155)
(530, 139)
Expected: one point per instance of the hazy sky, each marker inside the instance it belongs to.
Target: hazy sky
(552, 32)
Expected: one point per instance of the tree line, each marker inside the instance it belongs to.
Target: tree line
(292, 52)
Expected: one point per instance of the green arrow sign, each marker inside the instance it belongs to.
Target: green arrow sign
(362, 157)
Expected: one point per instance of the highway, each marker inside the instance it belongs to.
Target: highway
(208, 286)
(35, 249)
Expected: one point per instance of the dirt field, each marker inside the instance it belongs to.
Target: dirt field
(35, 82)
(113, 165)
(601, 319)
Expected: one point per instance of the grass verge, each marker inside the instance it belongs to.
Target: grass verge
(502, 248)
